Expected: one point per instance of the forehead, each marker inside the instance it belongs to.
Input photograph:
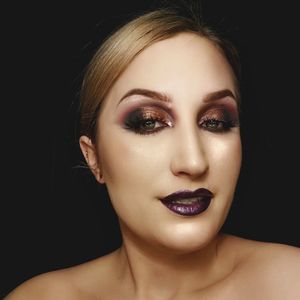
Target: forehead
(186, 63)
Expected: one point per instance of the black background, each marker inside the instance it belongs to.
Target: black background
(54, 215)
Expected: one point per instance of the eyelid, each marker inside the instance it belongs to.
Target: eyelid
(227, 104)
(144, 104)
(135, 120)
(227, 108)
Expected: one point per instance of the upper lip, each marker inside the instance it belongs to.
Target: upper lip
(183, 194)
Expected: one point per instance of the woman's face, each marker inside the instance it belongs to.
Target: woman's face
(170, 124)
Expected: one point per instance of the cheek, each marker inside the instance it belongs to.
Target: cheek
(225, 157)
(127, 159)
(131, 168)
(225, 163)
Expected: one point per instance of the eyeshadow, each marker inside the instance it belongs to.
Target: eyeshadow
(145, 107)
(225, 111)
(146, 120)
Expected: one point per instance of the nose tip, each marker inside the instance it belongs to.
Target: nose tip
(189, 156)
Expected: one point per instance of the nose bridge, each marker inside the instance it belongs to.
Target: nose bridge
(189, 155)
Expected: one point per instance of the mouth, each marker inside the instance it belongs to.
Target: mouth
(188, 203)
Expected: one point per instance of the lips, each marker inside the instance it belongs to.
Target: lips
(188, 203)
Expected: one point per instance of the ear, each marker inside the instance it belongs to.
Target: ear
(89, 152)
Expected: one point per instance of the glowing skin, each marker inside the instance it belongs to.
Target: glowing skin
(183, 150)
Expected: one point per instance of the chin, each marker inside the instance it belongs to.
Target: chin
(187, 237)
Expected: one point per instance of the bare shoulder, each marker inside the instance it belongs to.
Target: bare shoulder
(84, 281)
(271, 269)
(52, 285)
(284, 260)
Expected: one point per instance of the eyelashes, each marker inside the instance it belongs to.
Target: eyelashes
(147, 120)
(219, 120)
(150, 120)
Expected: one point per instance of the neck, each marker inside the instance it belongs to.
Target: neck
(160, 273)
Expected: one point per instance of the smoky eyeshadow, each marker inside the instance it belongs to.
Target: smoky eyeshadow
(224, 112)
(137, 118)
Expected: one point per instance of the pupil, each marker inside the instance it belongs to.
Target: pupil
(212, 123)
(149, 124)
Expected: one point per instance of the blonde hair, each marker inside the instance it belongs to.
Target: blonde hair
(119, 49)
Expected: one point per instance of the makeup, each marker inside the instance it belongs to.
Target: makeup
(146, 119)
(219, 118)
(188, 203)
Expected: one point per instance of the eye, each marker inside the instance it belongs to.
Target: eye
(148, 125)
(147, 120)
(216, 125)
(218, 121)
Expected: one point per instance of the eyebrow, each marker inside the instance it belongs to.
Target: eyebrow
(219, 95)
(213, 96)
(147, 93)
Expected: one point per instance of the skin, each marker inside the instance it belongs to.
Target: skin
(165, 255)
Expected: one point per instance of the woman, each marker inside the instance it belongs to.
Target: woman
(160, 127)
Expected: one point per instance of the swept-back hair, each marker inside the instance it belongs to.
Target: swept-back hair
(120, 48)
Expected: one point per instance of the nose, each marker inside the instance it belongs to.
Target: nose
(189, 156)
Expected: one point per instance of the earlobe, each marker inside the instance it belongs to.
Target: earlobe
(90, 154)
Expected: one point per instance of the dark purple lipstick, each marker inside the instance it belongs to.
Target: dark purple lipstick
(188, 203)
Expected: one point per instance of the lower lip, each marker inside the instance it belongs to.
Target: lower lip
(189, 209)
